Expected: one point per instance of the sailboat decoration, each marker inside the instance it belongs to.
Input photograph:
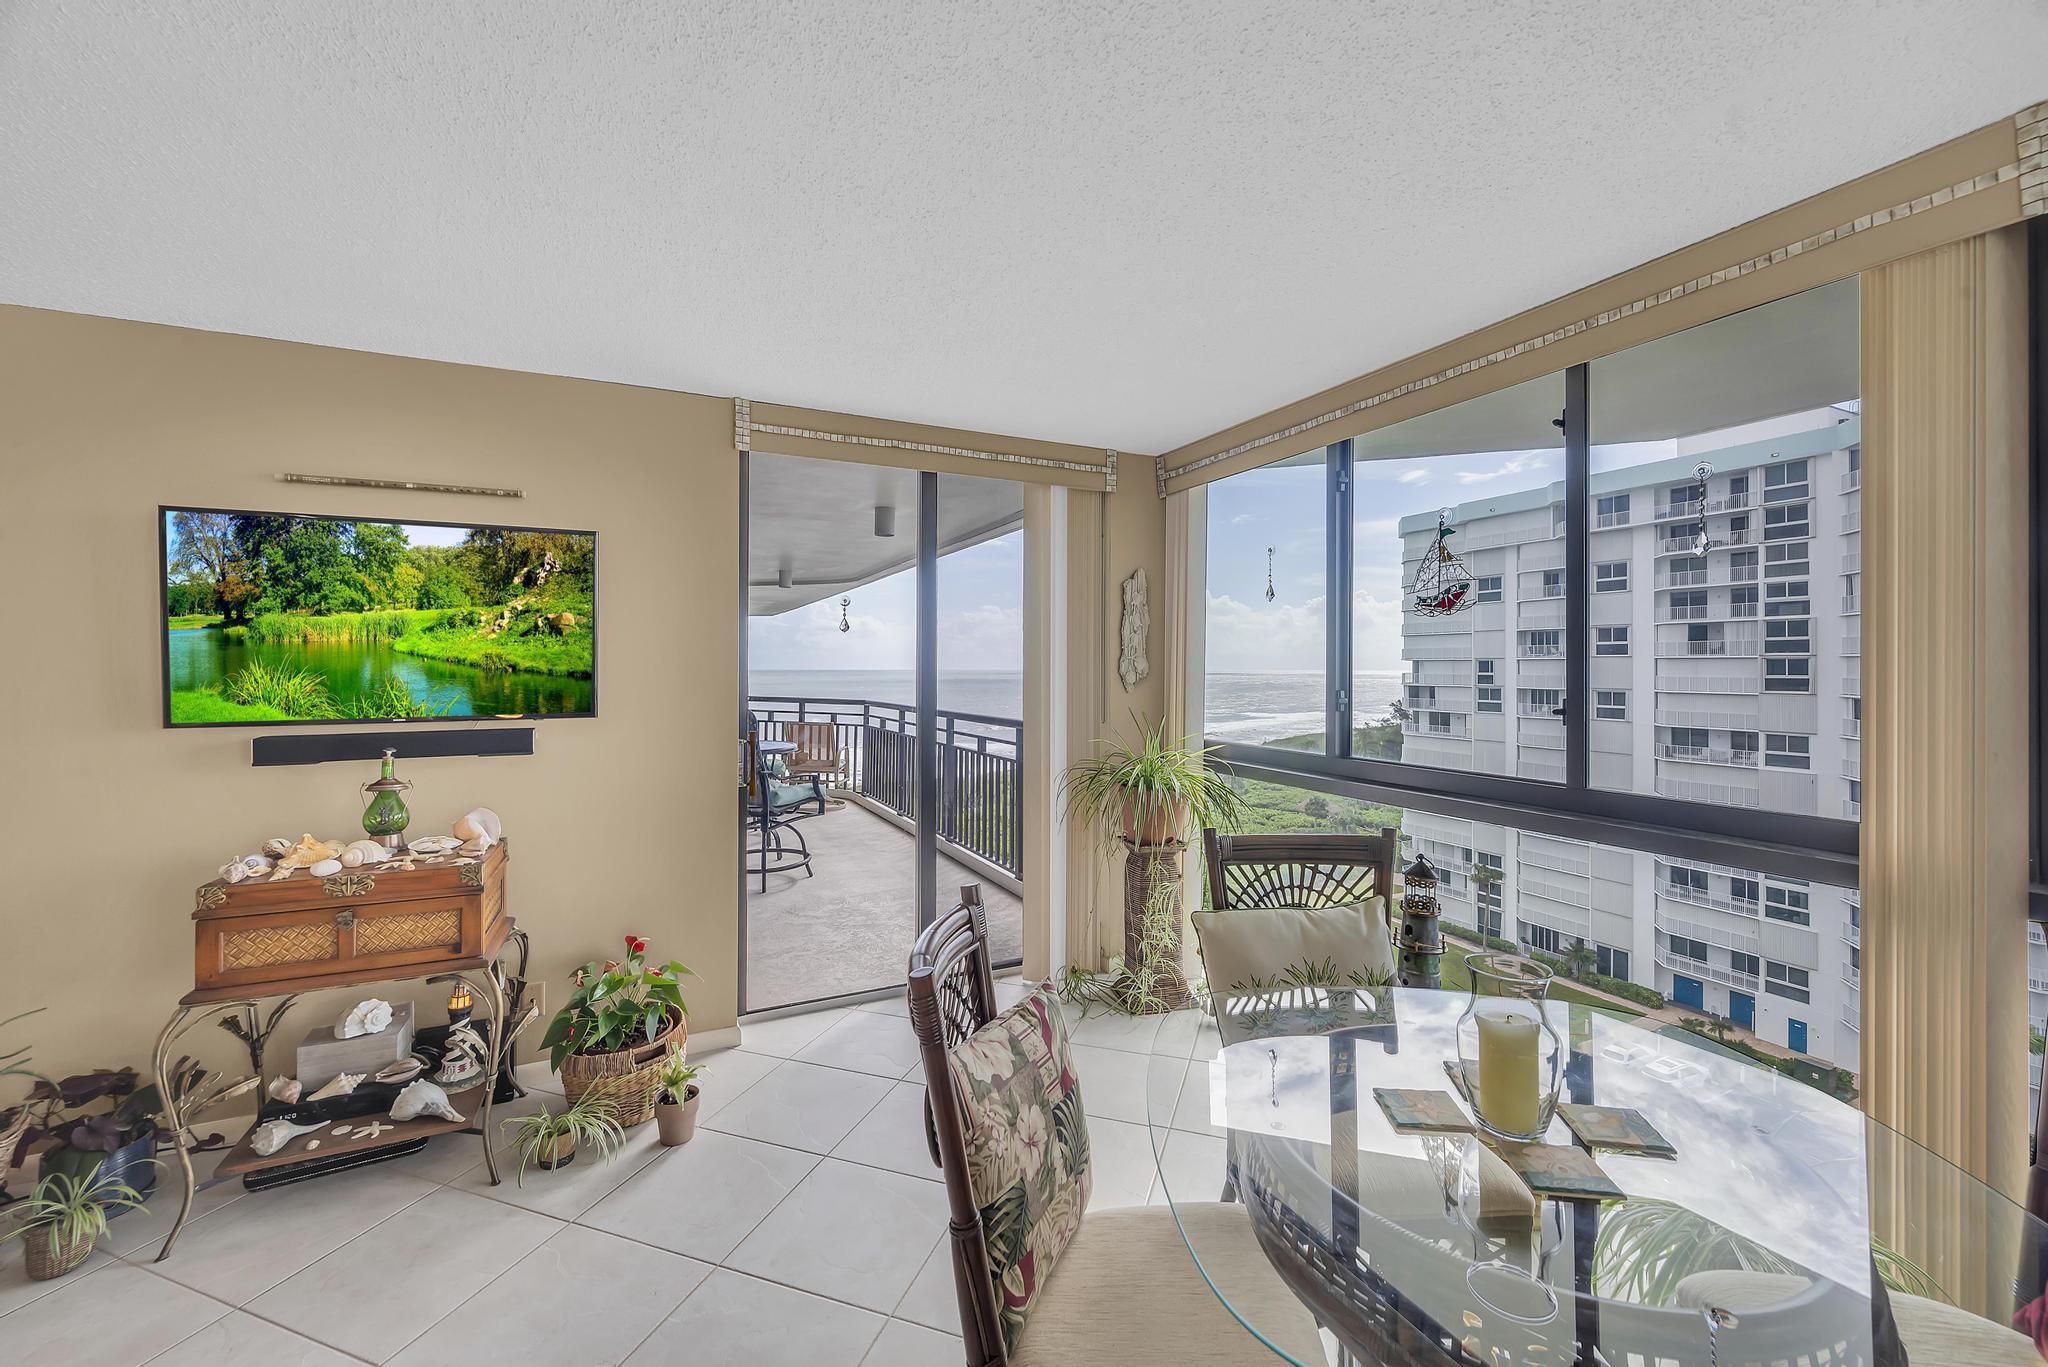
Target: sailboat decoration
(1442, 583)
(1701, 542)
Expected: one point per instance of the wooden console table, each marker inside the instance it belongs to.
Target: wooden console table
(444, 919)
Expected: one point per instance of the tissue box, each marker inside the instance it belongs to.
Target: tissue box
(322, 1057)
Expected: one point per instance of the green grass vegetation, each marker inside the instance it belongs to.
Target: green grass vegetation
(550, 635)
(192, 621)
(1458, 978)
(260, 692)
(203, 705)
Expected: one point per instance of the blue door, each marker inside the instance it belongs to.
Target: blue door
(1689, 992)
(1795, 1035)
(1742, 1009)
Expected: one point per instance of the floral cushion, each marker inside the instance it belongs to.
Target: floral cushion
(1027, 1146)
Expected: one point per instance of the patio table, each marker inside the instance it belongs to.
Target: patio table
(1402, 1245)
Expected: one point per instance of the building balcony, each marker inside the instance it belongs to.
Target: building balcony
(1706, 969)
(1852, 643)
(1707, 754)
(1438, 678)
(1535, 739)
(1853, 976)
(1852, 768)
(1707, 721)
(1602, 521)
(1683, 892)
(1691, 612)
(1852, 521)
(1529, 651)
(1706, 683)
(1719, 793)
(1852, 728)
(1852, 562)
(1538, 709)
(1851, 1015)
(1734, 647)
(1458, 729)
(1682, 579)
(1539, 769)
(1415, 652)
(1852, 934)
(1540, 617)
(1852, 683)
(1851, 604)
(1852, 480)
(1852, 810)
(1689, 509)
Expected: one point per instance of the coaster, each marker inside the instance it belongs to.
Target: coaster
(1562, 1172)
(1620, 1128)
(1421, 1112)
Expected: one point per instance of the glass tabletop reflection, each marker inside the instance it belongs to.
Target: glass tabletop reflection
(1786, 1226)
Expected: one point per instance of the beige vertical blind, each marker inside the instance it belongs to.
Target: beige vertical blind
(1946, 663)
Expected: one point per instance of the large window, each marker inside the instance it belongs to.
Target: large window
(1265, 644)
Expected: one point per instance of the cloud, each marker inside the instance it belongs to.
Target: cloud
(1413, 477)
(1514, 465)
(1243, 518)
(1257, 638)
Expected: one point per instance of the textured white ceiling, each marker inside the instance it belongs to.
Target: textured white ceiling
(1124, 225)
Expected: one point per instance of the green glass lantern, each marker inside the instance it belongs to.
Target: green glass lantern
(386, 817)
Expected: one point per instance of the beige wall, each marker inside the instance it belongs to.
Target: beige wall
(621, 823)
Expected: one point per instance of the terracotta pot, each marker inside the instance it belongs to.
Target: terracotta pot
(558, 1154)
(47, 1258)
(1162, 824)
(677, 1124)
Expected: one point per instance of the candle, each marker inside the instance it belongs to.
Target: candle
(1507, 1069)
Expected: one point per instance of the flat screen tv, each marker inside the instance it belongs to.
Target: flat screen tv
(274, 618)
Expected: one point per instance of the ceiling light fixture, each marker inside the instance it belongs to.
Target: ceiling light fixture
(885, 519)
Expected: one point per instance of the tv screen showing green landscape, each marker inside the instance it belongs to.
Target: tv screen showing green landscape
(270, 618)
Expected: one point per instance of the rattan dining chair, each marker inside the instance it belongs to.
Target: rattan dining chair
(1122, 1288)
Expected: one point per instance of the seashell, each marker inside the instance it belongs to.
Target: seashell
(277, 847)
(308, 853)
(351, 858)
(233, 873)
(476, 845)
(340, 1085)
(256, 863)
(285, 1089)
(366, 852)
(422, 1098)
(480, 824)
(364, 1018)
(434, 844)
(325, 867)
(405, 1070)
(273, 1135)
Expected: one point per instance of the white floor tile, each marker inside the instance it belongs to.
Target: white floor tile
(133, 1229)
(802, 1106)
(784, 1035)
(739, 1321)
(865, 1042)
(932, 1299)
(895, 1004)
(1178, 1031)
(1121, 1165)
(537, 1076)
(567, 1192)
(239, 1339)
(447, 1156)
(726, 1075)
(250, 1245)
(893, 1135)
(375, 1294)
(582, 1299)
(904, 1344)
(16, 1290)
(1192, 1167)
(1192, 1112)
(1117, 1085)
(118, 1317)
(1010, 991)
(852, 1233)
(704, 1197)
(1108, 1029)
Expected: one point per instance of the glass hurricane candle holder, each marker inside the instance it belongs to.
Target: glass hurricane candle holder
(1511, 1058)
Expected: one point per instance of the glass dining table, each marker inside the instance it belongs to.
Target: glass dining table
(1785, 1227)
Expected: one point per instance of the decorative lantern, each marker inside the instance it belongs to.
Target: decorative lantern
(385, 816)
(1421, 944)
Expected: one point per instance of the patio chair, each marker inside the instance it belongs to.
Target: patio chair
(817, 752)
(1039, 1281)
(773, 809)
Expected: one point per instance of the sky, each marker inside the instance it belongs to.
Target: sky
(981, 619)
(1282, 507)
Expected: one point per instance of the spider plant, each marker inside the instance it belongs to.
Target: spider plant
(551, 1138)
(1647, 1247)
(1147, 793)
(675, 1077)
(71, 1214)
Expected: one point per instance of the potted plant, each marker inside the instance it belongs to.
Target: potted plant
(60, 1221)
(620, 1021)
(675, 1106)
(1149, 793)
(550, 1139)
(116, 1145)
(14, 1120)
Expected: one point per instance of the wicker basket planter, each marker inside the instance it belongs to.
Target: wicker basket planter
(10, 1135)
(46, 1257)
(632, 1077)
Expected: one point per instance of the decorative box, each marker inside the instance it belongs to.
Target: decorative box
(322, 1057)
(364, 924)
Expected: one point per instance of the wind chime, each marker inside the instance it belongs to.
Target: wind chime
(1701, 542)
(1442, 583)
(844, 604)
(1269, 574)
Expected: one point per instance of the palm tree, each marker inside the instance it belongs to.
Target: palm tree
(1580, 961)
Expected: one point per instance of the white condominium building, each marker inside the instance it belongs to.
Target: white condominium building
(1729, 675)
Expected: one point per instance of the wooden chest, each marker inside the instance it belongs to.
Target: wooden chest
(360, 925)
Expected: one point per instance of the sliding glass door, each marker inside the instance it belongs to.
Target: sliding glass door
(883, 722)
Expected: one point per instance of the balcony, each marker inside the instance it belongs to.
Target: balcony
(863, 869)
(1852, 562)
(1708, 721)
(1707, 754)
(1851, 1015)
(1851, 604)
(1852, 521)
(1533, 650)
(1682, 579)
(1852, 480)
(1720, 794)
(1729, 646)
(1690, 509)
(1852, 683)
(1852, 934)
(1853, 976)
(1852, 810)
(1525, 708)
(1459, 728)
(1690, 612)
(1706, 683)
(1852, 728)
(1852, 643)
(1438, 678)
(1852, 768)
(1601, 521)
(1685, 892)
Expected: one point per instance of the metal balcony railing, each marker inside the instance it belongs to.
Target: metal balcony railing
(1687, 612)
(1732, 646)
(1705, 683)
(1852, 809)
(1531, 650)
(1852, 480)
(1719, 793)
(1852, 521)
(1615, 519)
(981, 801)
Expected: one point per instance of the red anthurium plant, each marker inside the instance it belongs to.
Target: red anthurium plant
(618, 1005)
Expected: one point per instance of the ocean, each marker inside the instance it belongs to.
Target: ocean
(1241, 707)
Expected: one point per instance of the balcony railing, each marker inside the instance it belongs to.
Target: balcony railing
(1706, 683)
(1852, 809)
(1614, 519)
(1538, 709)
(1852, 521)
(981, 806)
(1720, 793)
(1737, 646)
(1533, 650)
(1851, 604)
(1852, 480)
(1457, 729)
(1685, 612)
(1851, 1015)
(1708, 721)
(1707, 754)
(1852, 728)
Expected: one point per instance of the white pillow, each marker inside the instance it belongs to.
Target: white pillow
(1246, 951)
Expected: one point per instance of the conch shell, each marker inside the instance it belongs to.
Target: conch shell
(422, 1098)
(364, 1018)
(360, 852)
(273, 1135)
(304, 855)
(340, 1085)
(285, 1089)
(479, 829)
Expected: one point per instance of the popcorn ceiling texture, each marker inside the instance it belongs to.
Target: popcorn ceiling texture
(1119, 226)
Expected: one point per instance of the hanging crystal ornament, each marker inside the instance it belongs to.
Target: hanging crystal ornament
(1442, 583)
(1701, 542)
(844, 604)
(1269, 574)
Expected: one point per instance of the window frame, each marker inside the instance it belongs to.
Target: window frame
(1817, 848)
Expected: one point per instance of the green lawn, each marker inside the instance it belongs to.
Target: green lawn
(192, 620)
(198, 705)
(1456, 978)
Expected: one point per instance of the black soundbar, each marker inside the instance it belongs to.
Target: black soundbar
(409, 743)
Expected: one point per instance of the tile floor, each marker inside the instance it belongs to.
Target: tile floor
(801, 1226)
